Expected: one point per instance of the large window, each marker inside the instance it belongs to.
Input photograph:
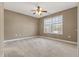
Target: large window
(53, 25)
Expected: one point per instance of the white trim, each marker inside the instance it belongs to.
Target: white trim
(20, 39)
(59, 40)
(41, 37)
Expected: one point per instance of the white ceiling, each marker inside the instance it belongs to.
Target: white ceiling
(26, 7)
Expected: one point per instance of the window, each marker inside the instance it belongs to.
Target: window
(53, 25)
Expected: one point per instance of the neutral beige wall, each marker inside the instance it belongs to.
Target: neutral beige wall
(78, 29)
(69, 25)
(1, 22)
(1, 28)
(19, 25)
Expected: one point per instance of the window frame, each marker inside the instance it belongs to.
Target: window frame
(50, 18)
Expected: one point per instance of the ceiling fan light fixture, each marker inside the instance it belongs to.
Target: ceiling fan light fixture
(39, 11)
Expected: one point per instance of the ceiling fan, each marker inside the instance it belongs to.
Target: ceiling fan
(39, 11)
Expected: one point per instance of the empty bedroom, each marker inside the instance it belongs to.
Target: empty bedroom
(40, 29)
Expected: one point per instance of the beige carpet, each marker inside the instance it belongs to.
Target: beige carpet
(39, 47)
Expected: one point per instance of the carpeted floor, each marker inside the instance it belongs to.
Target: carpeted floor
(39, 47)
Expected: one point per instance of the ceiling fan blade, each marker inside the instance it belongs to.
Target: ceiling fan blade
(44, 11)
(34, 13)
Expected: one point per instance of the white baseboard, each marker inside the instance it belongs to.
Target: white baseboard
(59, 40)
(20, 38)
(41, 37)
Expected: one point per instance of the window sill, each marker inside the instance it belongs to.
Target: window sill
(53, 33)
